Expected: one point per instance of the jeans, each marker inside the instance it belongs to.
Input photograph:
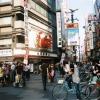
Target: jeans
(44, 80)
(77, 90)
(69, 81)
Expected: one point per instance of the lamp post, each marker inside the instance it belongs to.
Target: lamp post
(72, 21)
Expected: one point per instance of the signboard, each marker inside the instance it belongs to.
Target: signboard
(73, 37)
(58, 5)
(71, 25)
(72, 30)
(59, 34)
(40, 39)
(26, 29)
(5, 52)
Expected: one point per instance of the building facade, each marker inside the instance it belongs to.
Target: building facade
(27, 30)
(97, 13)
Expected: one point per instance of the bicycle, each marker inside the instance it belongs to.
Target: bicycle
(61, 90)
(93, 90)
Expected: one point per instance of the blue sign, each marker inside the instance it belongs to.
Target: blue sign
(72, 32)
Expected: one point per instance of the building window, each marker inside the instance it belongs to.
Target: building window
(49, 2)
(20, 39)
(19, 16)
(50, 16)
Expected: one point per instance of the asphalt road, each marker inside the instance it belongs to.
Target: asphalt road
(32, 91)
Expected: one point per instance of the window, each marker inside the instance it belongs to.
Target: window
(50, 16)
(49, 1)
(20, 16)
(20, 39)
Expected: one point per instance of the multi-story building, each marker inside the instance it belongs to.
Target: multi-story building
(97, 22)
(27, 30)
(89, 37)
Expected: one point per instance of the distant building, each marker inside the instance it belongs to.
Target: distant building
(28, 29)
(97, 27)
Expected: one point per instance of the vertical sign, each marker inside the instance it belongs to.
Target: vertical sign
(26, 30)
(58, 5)
(59, 34)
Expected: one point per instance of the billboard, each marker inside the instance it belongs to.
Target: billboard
(39, 39)
(72, 32)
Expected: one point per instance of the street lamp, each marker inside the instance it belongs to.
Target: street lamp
(72, 24)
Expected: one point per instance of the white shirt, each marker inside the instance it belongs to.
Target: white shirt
(67, 68)
(75, 75)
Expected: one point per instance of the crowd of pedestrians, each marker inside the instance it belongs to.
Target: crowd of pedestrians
(14, 74)
(17, 73)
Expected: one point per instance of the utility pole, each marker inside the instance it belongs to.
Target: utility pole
(72, 15)
(72, 21)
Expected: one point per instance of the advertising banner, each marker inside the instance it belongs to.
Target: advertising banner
(73, 37)
(40, 39)
(72, 32)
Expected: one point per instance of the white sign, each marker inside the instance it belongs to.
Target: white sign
(59, 34)
(5, 52)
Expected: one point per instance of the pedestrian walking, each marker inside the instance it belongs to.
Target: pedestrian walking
(76, 80)
(51, 72)
(44, 67)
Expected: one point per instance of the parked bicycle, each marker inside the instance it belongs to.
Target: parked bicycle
(61, 90)
(93, 89)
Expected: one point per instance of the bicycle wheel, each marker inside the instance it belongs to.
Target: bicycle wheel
(85, 92)
(59, 92)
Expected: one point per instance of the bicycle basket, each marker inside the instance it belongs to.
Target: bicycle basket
(60, 81)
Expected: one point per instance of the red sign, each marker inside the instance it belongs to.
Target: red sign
(72, 25)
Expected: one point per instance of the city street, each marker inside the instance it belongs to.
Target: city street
(33, 91)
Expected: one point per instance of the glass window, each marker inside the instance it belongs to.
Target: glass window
(49, 1)
(20, 39)
(20, 16)
(50, 16)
